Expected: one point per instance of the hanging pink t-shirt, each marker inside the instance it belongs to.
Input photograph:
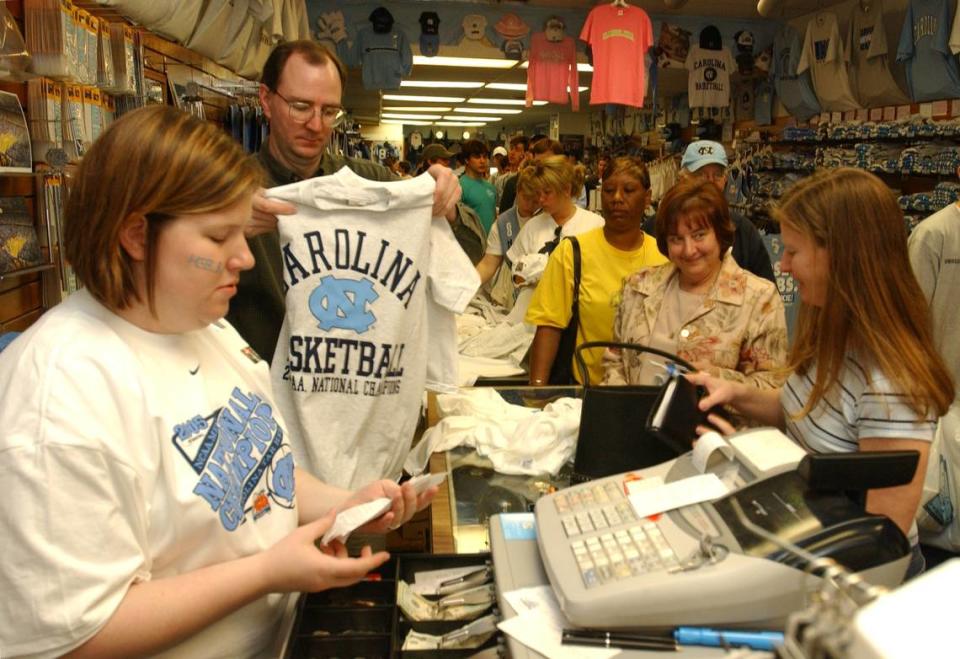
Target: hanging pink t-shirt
(552, 70)
(620, 38)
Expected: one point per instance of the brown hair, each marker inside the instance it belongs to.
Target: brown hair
(157, 162)
(699, 200)
(311, 51)
(553, 173)
(520, 139)
(874, 305)
(547, 145)
(629, 166)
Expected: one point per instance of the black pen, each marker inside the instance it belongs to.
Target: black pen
(618, 641)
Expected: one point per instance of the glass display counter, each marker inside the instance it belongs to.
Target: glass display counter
(473, 491)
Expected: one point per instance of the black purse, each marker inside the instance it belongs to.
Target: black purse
(613, 435)
(561, 372)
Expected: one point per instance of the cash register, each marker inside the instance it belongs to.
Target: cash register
(700, 564)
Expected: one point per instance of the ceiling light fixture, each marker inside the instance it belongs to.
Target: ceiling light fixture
(393, 115)
(417, 108)
(459, 123)
(476, 100)
(423, 99)
(508, 86)
(451, 117)
(517, 87)
(489, 110)
(470, 62)
(404, 122)
(442, 84)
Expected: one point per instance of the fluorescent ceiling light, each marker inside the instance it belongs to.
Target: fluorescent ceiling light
(404, 122)
(471, 62)
(416, 108)
(509, 86)
(502, 101)
(489, 110)
(581, 66)
(423, 99)
(516, 86)
(448, 84)
(451, 117)
(459, 123)
(391, 115)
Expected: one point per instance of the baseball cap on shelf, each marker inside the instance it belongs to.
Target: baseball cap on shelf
(703, 152)
(502, 151)
(432, 151)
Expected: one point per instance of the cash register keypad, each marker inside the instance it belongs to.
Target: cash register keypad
(604, 549)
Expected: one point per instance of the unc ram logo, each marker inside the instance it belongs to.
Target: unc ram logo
(342, 304)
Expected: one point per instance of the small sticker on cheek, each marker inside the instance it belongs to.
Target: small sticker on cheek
(205, 264)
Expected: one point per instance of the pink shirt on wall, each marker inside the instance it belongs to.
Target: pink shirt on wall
(620, 38)
(552, 70)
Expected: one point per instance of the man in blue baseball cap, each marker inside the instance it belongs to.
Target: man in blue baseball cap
(708, 160)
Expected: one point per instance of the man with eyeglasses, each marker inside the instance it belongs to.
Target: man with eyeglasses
(300, 92)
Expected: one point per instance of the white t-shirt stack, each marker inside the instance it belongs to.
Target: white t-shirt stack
(372, 281)
(129, 456)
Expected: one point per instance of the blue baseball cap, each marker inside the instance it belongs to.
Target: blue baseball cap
(703, 152)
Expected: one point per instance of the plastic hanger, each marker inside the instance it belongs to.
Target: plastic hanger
(620, 3)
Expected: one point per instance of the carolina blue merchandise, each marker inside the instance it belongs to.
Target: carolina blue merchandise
(785, 283)
(508, 227)
(385, 58)
(932, 72)
(763, 103)
(795, 91)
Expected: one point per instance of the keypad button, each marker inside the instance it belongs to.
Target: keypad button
(570, 526)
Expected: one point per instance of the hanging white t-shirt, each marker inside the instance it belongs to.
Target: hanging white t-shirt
(709, 83)
(823, 55)
(360, 260)
(128, 456)
(542, 229)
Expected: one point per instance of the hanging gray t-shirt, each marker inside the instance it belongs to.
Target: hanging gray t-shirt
(866, 52)
(709, 83)
(823, 55)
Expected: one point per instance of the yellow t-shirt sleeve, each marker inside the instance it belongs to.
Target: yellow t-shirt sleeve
(553, 298)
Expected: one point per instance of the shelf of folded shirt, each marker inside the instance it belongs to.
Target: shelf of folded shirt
(474, 490)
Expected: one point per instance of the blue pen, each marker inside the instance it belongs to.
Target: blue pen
(718, 638)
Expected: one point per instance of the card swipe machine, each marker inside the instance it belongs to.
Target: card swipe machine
(698, 564)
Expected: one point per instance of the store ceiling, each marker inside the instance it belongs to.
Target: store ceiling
(367, 106)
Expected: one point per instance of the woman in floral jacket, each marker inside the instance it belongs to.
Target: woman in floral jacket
(701, 306)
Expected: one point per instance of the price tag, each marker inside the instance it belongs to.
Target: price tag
(903, 111)
(889, 113)
(876, 114)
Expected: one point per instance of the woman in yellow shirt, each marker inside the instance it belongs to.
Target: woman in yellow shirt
(608, 255)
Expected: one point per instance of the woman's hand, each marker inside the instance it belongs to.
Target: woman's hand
(719, 392)
(405, 503)
(296, 564)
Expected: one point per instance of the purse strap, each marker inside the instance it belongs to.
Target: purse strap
(582, 365)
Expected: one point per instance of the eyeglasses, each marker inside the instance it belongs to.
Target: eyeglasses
(302, 111)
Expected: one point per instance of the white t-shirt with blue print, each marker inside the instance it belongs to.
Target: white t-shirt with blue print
(128, 456)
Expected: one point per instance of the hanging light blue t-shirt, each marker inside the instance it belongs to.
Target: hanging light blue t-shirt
(932, 71)
(794, 91)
